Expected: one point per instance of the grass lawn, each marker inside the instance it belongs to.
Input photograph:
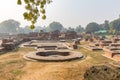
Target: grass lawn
(14, 67)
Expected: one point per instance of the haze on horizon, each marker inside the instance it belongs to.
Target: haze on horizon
(70, 13)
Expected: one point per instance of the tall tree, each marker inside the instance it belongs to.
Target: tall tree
(9, 26)
(55, 26)
(115, 25)
(71, 29)
(105, 25)
(79, 29)
(92, 27)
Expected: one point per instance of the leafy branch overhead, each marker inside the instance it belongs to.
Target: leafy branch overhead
(34, 9)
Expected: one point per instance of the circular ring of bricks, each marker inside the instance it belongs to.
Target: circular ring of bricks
(73, 55)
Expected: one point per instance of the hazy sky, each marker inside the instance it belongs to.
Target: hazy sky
(70, 13)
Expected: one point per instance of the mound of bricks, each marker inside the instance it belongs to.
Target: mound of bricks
(102, 72)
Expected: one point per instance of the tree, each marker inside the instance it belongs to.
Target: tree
(79, 29)
(92, 27)
(9, 26)
(55, 26)
(71, 29)
(105, 25)
(115, 25)
(27, 29)
(34, 8)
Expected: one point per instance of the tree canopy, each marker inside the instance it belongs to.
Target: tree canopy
(9, 26)
(92, 27)
(55, 26)
(79, 29)
(34, 9)
(115, 25)
(105, 25)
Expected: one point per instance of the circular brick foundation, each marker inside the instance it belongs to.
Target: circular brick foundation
(54, 55)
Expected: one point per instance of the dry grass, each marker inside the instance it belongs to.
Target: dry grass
(10, 70)
(54, 71)
(12, 63)
(14, 67)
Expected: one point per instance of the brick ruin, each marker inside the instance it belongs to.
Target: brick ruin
(111, 47)
(102, 72)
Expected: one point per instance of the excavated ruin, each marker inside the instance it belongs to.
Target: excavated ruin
(52, 51)
(54, 55)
